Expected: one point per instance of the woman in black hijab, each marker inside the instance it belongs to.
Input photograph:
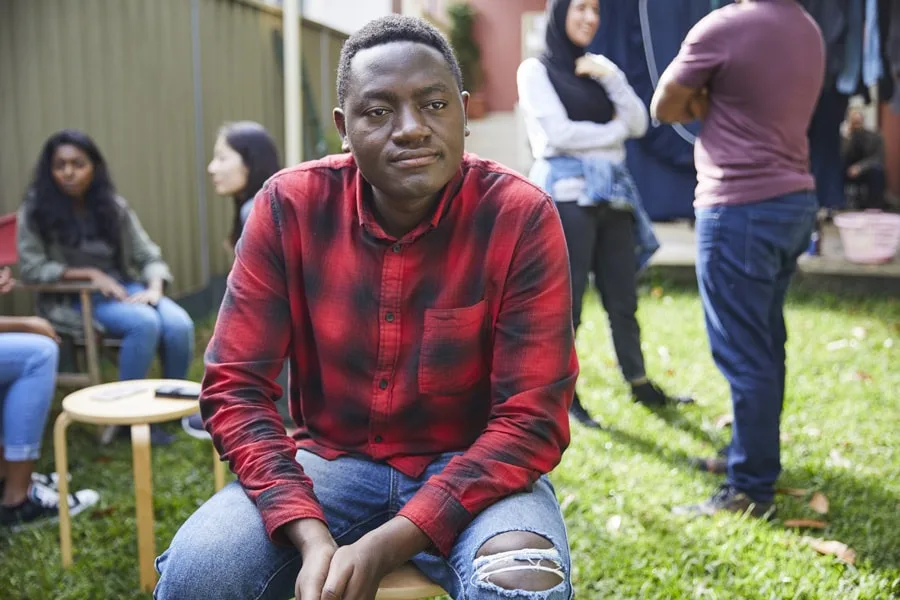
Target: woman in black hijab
(579, 110)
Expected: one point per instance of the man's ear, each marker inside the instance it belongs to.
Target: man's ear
(465, 101)
(340, 122)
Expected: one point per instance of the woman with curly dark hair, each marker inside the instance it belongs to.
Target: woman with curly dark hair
(74, 227)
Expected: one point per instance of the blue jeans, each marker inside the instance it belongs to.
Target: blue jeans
(222, 551)
(746, 256)
(144, 329)
(27, 379)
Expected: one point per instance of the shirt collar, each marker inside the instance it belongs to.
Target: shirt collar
(366, 214)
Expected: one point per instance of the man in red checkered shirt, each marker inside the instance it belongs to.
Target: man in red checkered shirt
(422, 296)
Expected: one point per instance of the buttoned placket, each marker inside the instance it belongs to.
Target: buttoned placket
(389, 318)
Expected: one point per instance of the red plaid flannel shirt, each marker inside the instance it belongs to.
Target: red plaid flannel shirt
(456, 337)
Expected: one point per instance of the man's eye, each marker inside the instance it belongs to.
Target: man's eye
(436, 105)
(377, 112)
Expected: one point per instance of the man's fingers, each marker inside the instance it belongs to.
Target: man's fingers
(336, 583)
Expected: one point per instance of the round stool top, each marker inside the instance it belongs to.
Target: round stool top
(128, 403)
(407, 583)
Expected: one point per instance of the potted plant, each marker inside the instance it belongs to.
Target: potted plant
(462, 38)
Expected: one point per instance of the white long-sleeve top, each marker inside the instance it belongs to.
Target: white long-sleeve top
(550, 131)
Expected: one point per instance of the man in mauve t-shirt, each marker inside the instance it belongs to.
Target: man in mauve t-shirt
(752, 72)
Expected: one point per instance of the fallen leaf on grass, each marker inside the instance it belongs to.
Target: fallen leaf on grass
(670, 372)
(567, 501)
(724, 421)
(837, 345)
(656, 292)
(819, 503)
(862, 376)
(832, 548)
(103, 459)
(838, 460)
(614, 523)
(806, 523)
(795, 492)
(102, 513)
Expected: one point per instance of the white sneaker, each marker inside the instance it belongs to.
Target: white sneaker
(50, 480)
(42, 506)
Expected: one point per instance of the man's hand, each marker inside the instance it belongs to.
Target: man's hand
(698, 105)
(7, 283)
(108, 286)
(854, 171)
(355, 573)
(312, 538)
(594, 65)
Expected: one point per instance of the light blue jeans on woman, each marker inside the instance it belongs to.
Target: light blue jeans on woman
(146, 329)
(222, 551)
(28, 364)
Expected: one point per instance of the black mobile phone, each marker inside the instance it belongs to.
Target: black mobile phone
(178, 392)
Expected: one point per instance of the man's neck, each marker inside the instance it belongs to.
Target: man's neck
(400, 217)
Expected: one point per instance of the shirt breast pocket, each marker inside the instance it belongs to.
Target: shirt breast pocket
(454, 346)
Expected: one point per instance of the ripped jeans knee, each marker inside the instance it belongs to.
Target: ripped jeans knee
(526, 573)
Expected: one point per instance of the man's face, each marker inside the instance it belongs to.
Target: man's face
(856, 121)
(404, 119)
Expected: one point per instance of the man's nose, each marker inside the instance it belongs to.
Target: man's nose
(410, 126)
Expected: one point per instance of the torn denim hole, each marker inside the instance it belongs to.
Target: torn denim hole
(528, 559)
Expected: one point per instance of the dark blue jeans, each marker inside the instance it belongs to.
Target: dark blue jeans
(746, 256)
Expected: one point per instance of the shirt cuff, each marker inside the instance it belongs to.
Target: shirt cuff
(438, 514)
(281, 505)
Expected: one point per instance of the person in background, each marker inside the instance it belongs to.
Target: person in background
(28, 358)
(579, 110)
(244, 158)
(423, 298)
(74, 227)
(862, 152)
(752, 72)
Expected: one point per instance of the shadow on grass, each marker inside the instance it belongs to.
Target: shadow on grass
(863, 514)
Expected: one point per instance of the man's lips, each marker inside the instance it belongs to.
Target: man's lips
(415, 159)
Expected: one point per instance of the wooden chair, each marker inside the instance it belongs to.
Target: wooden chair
(90, 341)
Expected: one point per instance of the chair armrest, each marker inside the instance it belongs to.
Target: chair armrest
(67, 287)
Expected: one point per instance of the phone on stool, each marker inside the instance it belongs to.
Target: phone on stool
(178, 392)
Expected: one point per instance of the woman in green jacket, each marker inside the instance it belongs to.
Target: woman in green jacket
(74, 227)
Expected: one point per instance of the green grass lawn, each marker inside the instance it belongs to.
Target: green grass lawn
(841, 430)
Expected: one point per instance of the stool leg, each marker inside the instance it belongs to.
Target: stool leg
(62, 471)
(218, 469)
(143, 500)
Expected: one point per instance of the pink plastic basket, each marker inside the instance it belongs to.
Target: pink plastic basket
(871, 237)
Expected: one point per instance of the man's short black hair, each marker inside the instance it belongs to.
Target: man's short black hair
(393, 28)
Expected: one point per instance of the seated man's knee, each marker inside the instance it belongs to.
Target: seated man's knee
(519, 560)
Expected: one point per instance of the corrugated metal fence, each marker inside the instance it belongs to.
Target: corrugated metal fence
(135, 75)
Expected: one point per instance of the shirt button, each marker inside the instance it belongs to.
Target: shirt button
(389, 317)
(383, 384)
(397, 248)
(378, 439)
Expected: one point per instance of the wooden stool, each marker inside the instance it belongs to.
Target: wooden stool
(138, 409)
(407, 583)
